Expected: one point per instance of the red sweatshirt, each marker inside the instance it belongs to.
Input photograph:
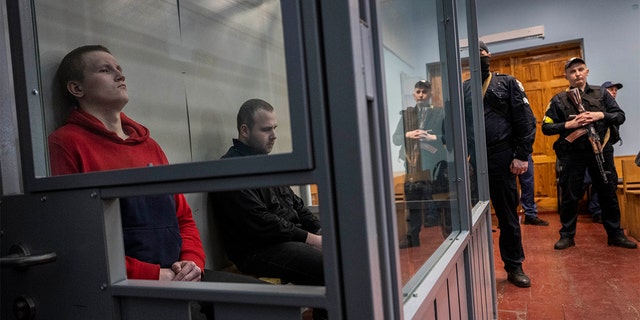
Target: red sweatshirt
(84, 144)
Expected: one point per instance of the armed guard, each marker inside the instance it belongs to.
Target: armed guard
(575, 153)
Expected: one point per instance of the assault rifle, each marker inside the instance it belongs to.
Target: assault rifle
(589, 130)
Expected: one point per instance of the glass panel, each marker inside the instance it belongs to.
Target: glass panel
(420, 124)
(472, 146)
(259, 228)
(189, 66)
(229, 234)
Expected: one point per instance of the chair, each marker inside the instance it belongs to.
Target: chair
(631, 197)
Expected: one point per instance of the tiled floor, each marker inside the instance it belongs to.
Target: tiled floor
(588, 281)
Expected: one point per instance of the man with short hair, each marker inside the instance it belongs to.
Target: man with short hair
(161, 239)
(576, 154)
(267, 232)
(594, 204)
(510, 129)
(419, 133)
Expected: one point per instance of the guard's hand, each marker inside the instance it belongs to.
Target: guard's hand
(519, 167)
(591, 117)
(423, 135)
(574, 123)
(584, 119)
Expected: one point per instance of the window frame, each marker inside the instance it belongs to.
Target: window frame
(31, 126)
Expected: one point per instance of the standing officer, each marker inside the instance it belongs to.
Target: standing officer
(563, 118)
(510, 129)
(419, 134)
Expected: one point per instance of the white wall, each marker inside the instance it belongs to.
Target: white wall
(611, 34)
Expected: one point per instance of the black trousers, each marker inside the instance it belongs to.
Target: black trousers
(504, 198)
(420, 202)
(204, 310)
(572, 166)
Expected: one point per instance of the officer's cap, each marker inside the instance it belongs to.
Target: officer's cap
(572, 61)
(609, 84)
(483, 46)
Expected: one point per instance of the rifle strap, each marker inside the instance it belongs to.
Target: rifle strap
(606, 137)
(485, 84)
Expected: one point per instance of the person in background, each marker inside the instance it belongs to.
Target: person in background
(268, 232)
(510, 129)
(611, 87)
(527, 197)
(594, 204)
(563, 118)
(419, 133)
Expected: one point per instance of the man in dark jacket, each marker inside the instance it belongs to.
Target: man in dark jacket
(419, 133)
(267, 232)
(575, 153)
(510, 131)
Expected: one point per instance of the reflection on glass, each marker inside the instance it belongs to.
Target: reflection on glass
(421, 142)
(189, 65)
(469, 116)
(419, 135)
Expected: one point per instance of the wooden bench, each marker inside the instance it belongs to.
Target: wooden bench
(629, 202)
(633, 213)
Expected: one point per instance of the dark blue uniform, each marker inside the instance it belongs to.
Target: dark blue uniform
(577, 156)
(510, 129)
(421, 158)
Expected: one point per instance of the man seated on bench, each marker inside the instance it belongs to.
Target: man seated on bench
(268, 232)
(161, 239)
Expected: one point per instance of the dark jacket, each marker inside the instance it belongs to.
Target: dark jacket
(251, 219)
(509, 120)
(560, 109)
(429, 152)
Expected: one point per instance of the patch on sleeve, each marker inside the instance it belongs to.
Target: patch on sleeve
(525, 100)
(547, 120)
(520, 85)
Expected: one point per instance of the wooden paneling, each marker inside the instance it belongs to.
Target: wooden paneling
(541, 72)
(627, 196)
(449, 287)
(633, 213)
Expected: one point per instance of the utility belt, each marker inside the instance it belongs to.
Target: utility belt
(580, 145)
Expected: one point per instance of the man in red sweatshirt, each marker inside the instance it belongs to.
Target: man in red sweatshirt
(161, 239)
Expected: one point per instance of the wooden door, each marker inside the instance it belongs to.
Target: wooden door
(541, 72)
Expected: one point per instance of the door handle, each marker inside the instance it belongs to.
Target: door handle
(20, 257)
